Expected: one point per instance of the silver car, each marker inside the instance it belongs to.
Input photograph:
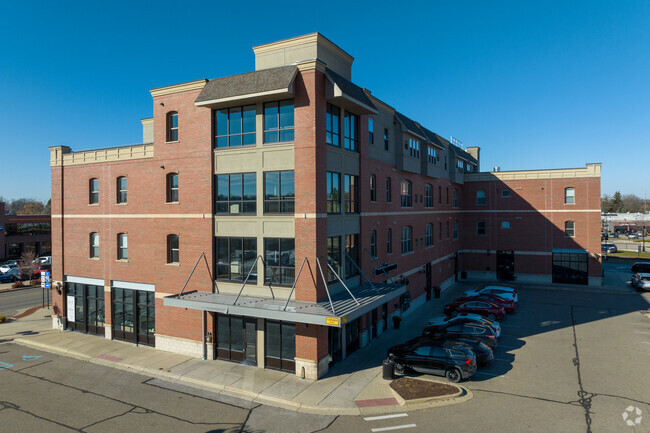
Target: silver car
(641, 281)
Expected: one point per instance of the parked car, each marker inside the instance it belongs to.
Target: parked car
(643, 267)
(10, 276)
(503, 291)
(484, 308)
(426, 356)
(444, 321)
(36, 274)
(507, 304)
(608, 248)
(471, 330)
(10, 264)
(46, 260)
(633, 236)
(483, 352)
(641, 281)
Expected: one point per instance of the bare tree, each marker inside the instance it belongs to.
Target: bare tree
(26, 263)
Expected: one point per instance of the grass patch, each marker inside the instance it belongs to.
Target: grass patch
(634, 254)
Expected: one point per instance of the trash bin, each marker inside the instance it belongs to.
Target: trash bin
(436, 292)
(388, 369)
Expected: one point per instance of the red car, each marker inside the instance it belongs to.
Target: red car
(484, 308)
(40, 268)
(508, 305)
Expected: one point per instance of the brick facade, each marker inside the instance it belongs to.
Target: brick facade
(536, 210)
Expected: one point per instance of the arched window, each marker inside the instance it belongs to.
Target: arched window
(93, 191)
(428, 195)
(389, 190)
(480, 197)
(172, 249)
(569, 229)
(172, 126)
(121, 190)
(428, 235)
(405, 193)
(172, 188)
(569, 195)
(94, 245)
(389, 241)
(122, 246)
(407, 245)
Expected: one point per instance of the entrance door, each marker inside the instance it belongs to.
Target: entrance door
(250, 342)
(85, 308)
(506, 265)
(335, 351)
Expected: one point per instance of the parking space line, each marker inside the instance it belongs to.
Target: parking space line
(641, 332)
(397, 427)
(490, 374)
(377, 418)
(637, 323)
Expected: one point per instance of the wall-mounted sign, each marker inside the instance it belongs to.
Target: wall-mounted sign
(71, 305)
(332, 321)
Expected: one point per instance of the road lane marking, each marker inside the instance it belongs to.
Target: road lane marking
(397, 427)
(641, 332)
(377, 418)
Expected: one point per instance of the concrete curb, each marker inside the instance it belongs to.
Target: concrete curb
(11, 289)
(256, 397)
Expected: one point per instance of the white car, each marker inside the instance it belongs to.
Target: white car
(442, 320)
(505, 292)
(641, 281)
(7, 267)
(44, 260)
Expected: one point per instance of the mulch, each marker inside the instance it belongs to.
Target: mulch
(409, 388)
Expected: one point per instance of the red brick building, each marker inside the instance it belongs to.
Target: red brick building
(281, 217)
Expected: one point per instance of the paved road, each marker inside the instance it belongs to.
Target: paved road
(11, 302)
(566, 362)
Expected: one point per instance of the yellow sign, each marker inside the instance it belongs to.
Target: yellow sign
(332, 321)
(344, 320)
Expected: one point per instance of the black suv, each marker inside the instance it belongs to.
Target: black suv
(472, 330)
(424, 355)
(482, 351)
(641, 268)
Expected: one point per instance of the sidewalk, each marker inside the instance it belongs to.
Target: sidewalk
(352, 387)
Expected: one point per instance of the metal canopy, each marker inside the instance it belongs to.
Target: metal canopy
(318, 313)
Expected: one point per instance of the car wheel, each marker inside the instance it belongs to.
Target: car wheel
(453, 375)
(400, 368)
(491, 317)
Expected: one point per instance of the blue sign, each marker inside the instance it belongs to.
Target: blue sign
(48, 285)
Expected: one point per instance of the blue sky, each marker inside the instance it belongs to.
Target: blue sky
(535, 84)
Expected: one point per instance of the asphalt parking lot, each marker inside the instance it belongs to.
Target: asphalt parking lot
(566, 362)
